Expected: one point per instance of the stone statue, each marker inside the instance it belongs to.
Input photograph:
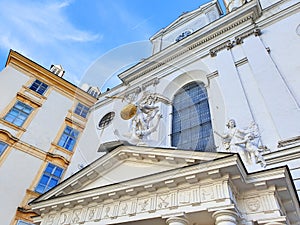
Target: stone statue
(144, 117)
(232, 135)
(253, 151)
(242, 141)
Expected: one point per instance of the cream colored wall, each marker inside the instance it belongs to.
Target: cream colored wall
(47, 122)
(11, 82)
(16, 175)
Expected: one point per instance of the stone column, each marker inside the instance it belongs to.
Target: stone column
(176, 220)
(225, 217)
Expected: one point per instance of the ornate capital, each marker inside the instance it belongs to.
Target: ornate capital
(228, 216)
(175, 220)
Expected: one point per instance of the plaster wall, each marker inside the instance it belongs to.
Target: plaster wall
(11, 82)
(15, 178)
(48, 120)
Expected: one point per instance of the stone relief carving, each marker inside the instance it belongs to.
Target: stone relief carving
(143, 116)
(152, 203)
(243, 141)
(253, 204)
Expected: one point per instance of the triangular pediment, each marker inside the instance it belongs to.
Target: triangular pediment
(127, 163)
(186, 17)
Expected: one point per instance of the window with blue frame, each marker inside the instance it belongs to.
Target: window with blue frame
(18, 114)
(21, 222)
(191, 121)
(68, 138)
(38, 87)
(81, 110)
(49, 179)
(3, 146)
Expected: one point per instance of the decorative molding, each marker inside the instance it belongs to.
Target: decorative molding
(156, 202)
(241, 62)
(289, 141)
(249, 12)
(31, 68)
(152, 82)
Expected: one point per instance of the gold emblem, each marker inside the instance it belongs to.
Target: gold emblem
(128, 111)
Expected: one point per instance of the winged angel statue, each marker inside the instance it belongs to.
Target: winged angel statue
(244, 141)
(143, 115)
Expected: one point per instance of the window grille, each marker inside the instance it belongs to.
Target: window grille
(68, 138)
(81, 110)
(191, 121)
(39, 87)
(49, 179)
(18, 114)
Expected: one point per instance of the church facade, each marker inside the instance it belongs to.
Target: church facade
(204, 131)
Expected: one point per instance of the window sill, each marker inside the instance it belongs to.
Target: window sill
(35, 93)
(66, 151)
(11, 125)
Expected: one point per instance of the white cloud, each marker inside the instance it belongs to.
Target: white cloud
(41, 31)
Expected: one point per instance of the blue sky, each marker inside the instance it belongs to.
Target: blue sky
(78, 33)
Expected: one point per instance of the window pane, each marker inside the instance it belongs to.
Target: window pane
(39, 87)
(49, 179)
(58, 172)
(3, 146)
(18, 114)
(191, 122)
(68, 138)
(81, 110)
(21, 222)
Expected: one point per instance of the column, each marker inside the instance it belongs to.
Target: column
(225, 217)
(176, 220)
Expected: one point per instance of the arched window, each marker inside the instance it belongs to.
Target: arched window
(191, 122)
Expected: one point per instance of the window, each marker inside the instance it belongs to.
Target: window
(18, 114)
(106, 120)
(68, 138)
(21, 222)
(3, 146)
(81, 110)
(49, 179)
(191, 122)
(39, 87)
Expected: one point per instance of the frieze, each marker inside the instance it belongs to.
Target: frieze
(155, 202)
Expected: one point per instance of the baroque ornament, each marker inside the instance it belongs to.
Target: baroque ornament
(143, 115)
(243, 141)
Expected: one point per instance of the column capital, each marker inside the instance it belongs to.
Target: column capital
(225, 217)
(177, 220)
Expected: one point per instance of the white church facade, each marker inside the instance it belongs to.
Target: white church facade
(205, 131)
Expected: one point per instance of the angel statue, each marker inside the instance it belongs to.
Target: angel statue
(232, 135)
(251, 148)
(243, 141)
(144, 116)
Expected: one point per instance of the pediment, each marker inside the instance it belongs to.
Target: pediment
(186, 17)
(126, 163)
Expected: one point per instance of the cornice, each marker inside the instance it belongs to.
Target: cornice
(283, 154)
(211, 33)
(18, 61)
(182, 19)
(102, 165)
(169, 179)
(280, 10)
(171, 183)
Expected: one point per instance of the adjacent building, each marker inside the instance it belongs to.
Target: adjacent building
(42, 117)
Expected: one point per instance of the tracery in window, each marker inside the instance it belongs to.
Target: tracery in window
(106, 120)
(191, 122)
